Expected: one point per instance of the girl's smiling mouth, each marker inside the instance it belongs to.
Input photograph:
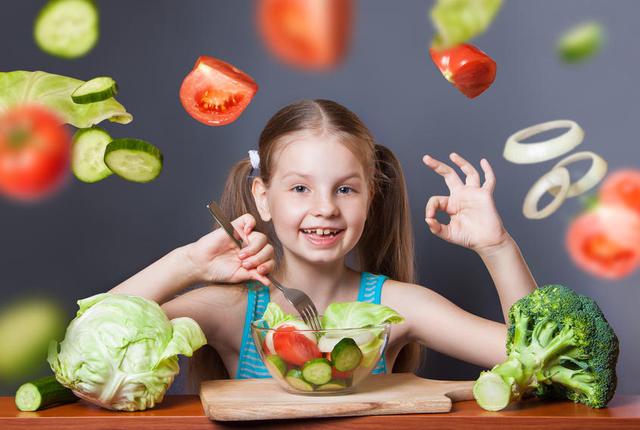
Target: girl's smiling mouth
(322, 237)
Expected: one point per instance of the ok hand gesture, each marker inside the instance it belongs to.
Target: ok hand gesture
(474, 221)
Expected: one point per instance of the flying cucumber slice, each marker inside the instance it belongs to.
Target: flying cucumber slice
(133, 159)
(95, 90)
(581, 42)
(67, 28)
(87, 154)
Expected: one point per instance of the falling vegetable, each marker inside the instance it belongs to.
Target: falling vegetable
(35, 149)
(67, 28)
(311, 35)
(605, 241)
(556, 181)
(54, 91)
(215, 92)
(622, 187)
(469, 69)
(581, 42)
(26, 328)
(537, 152)
(458, 21)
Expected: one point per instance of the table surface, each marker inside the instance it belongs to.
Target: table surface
(185, 412)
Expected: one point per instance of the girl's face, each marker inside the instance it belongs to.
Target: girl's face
(317, 199)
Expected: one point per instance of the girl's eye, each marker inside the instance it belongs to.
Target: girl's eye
(345, 190)
(299, 188)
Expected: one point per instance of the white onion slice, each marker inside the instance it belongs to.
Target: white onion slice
(529, 153)
(596, 172)
(558, 177)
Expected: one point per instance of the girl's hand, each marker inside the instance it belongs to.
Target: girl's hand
(217, 259)
(474, 221)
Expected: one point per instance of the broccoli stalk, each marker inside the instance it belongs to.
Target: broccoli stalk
(559, 345)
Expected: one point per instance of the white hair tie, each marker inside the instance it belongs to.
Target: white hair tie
(254, 157)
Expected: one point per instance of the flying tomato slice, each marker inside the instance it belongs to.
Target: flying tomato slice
(35, 149)
(215, 92)
(622, 187)
(469, 69)
(595, 247)
(307, 34)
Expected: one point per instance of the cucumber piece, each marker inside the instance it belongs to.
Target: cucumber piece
(67, 28)
(133, 159)
(334, 384)
(95, 90)
(42, 393)
(346, 355)
(581, 42)
(87, 154)
(317, 371)
(295, 379)
(275, 365)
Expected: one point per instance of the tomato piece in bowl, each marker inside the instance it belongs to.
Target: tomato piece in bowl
(293, 346)
(215, 92)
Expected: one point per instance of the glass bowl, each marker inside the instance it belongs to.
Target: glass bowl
(319, 362)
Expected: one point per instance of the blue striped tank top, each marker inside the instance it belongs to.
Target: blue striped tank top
(250, 364)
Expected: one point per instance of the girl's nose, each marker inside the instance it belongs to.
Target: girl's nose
(325, 206)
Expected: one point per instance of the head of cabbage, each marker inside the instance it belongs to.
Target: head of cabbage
(120, 352)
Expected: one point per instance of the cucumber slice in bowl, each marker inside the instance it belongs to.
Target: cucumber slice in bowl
(133, 159)
(317, 371)
(346, 355)
(87, 154)
(295, 379)
(67, 28)
(95, 90)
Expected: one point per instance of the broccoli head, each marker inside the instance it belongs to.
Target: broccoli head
(559, 345)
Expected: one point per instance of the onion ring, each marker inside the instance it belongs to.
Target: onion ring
(558, 177)
(594, 175)
(529, 153)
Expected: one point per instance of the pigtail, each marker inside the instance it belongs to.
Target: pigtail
(386, 245)
(236, 200)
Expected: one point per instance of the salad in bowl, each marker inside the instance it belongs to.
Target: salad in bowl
(333, 360)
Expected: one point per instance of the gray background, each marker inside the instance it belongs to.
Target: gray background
(88, 238)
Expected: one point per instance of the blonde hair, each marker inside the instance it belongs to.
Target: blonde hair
(386, 245)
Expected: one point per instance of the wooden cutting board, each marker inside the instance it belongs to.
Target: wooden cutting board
(396, 393)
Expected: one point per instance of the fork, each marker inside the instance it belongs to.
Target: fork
(300, 301)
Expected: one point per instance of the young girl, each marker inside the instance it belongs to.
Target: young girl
(333, 204)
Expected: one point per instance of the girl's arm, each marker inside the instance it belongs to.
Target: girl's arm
(213, 259)
(509, 272)
(475, 224)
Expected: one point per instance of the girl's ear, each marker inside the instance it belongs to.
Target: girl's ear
(259, 191)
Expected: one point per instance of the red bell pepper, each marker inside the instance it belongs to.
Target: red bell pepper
(469, 69)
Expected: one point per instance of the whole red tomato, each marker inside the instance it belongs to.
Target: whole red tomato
(469, 69)
(35, 148)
